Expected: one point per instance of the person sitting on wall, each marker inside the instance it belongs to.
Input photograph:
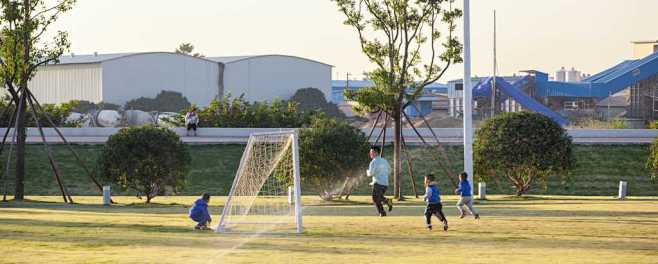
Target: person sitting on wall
(191, 121)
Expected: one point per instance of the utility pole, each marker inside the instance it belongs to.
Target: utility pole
(468, 98)
(495, 72)
(347, 82)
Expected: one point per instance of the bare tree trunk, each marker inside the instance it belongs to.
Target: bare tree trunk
(397, 158)
(20, 144)
(19, 192)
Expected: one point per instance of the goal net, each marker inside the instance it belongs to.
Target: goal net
(266, 191)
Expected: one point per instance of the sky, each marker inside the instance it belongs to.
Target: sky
(589, 35)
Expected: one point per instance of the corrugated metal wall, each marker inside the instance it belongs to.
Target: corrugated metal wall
(62, 83)
(264, 78)
(148, 74)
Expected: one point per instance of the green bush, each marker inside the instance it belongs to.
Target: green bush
(618, 124)
(57, 113)
(312, 99)
(332, 151)
(165, 101)
(145, 159)
(82, 106)
(237, 112)
(523, 148)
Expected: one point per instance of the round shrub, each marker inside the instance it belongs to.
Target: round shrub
(145, 159)
(331, 152)
(524, 148)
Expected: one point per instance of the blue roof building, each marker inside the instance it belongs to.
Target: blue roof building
(338, 87)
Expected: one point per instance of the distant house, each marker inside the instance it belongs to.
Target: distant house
(431, 98)
(338, 88)
(614, 106)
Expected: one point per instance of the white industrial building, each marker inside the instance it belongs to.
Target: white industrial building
(118, 78)
(263, 78)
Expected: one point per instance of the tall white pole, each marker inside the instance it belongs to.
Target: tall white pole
(468, 97)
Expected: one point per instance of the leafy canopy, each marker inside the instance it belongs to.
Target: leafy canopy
(523, 148)
(145, 159)
(404, 39)
(331, 151)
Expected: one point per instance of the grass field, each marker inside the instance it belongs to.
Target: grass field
(531, 230)
(598, 172)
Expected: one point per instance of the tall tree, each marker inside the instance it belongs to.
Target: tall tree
(23, 49)
(412, 45)
(188, 49)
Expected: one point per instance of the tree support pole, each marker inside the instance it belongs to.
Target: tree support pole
(410, 166)
(2, 147)
(444, 166)
(75, 154)
(53, 164)
(19, 189)
(388, 117)
(374, 125)
(436, 137)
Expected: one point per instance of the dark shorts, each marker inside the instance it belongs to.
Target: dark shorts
(433, 209)
(191, 126)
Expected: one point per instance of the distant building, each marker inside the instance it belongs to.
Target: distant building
(642, 49)
(456, 94)
(266, 77)
(338, 88)
(561, 75)
(614, 106)
(574, 75)
(118, 78)
(431, 96)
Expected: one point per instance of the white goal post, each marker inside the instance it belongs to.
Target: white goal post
(266, 192)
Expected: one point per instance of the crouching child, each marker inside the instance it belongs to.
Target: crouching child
(199, 212)
(434, 206)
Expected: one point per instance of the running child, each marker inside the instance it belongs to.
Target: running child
(434, 206)
(466, 197)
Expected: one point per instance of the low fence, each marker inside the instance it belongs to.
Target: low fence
(452, 136)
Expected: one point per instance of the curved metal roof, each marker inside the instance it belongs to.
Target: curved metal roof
(232, 59)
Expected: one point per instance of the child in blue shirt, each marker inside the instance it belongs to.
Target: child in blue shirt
(434, 206)
(199, 212)
(466, 197)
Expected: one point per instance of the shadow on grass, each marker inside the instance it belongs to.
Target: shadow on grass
(138, 208)
(90, 226)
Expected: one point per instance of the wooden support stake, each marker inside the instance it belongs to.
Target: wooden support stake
(6, 174)
(51, 159)
(374, 125)
(75, 154)
(446, 167)
(410, 166)
(388, 117)
(4, 142)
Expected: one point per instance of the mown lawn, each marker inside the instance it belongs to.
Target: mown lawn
(532, 230)
(598, 172)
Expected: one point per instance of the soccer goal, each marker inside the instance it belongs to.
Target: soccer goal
(266, 191)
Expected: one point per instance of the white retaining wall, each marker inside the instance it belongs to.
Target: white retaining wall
(238, 135)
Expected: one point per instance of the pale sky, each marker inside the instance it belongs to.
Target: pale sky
(532, 34)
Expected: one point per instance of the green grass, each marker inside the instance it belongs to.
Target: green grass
(598, 172)
(529, 230)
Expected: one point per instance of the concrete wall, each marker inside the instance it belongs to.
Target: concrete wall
(62, 83)
(264, 78)
(451, 136)
(146, 75)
